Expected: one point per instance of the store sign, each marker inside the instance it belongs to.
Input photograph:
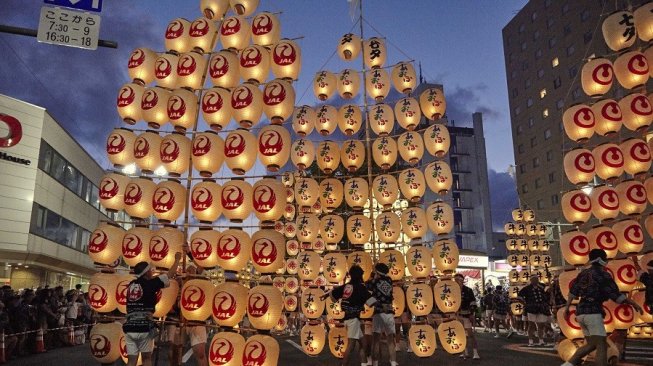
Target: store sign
(473, 261)
(12, 138)
(68, 28)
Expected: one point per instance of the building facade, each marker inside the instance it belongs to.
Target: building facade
(49, 205)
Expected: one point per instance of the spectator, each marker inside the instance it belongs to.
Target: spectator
(72, 311)
(7, 332)
(488, 304)
(537, 307)
(383, 319)
(501, 305)
(466, 315)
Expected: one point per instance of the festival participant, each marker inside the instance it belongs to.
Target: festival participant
(594, 285)
(537, 307)
(501, 305)
(383, 320)
(489, 309)
(466, 315)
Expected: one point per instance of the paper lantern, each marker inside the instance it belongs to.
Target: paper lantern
(445, 255)
(374, 53)
(438, 177)
(419, 297)
(128, 102)
(165, 299)
(234, 33)
(239, 151)
(433, 103)
(175, 153)
(363, 260)
(520, 229)
(302, 153)
(407, 112)
(326, 119)
(204, 201)
(437, 140)
(139, 194)
(261, 350)
(412, 184)
(223, 69)
(135, 244)
(596, 76)
(513, 260)
(268, 250)
(349, 47)
(308, 226)
(203, 245)
(190, 70)
(331, 193)
(338, 340)
(578, 121)
(120, 147)
(637, 156)
(352, 155)
(335, 267)
(278, 100)
(216, 108)
(165, 71)
(101, 292)
(147, 151)
(644, 22)
(254, 63)
(632, 197)
(303, 121)
(525, 275)
(411, 147)
(359, 229)
(165, 242)
(324, 85)
(332, 228)
(236, 200)
(182, 109)
(292, 285)
(603, 237)
(619, 30)
(394, 259)
(195, 303)
(575, 247)
(169, 200)
(290, 302)
(398, 301)
(452, 336)
(513, 276)
(311, 303)
(141, 65)
(267, 199)
(348, 83)
(350, 119)
(630, 236)
(105, 243)
(510, 227)
(637, 111)
(422, 340)
(511, 245)
(623, 272)
(226, 349)
(264, 306)
(533, 245)
(568, 324)
(404, 77)
(328, 156)
(104, 340)
(306, 192)
(112, 191)
(447, 295)
(377, 84)
(233, 249)
(647, 314)
(566, 280)
(609, 161)
(384, 152)
(607, 116)
(177, 36)
(266, 29)
(605, 202)
(382, 119)
(388, 227)
(244, 7)
(154, 106)
(203, 35)
(440, 218)
(418, 261)
(207, 153)
(312, 338)
(247, 104)
(524, 261)
(334, 310)
(286, 60)
(623, 315)
(413, 222)
(576, 206)
(513, 292)
(631, 69)
(579, 166)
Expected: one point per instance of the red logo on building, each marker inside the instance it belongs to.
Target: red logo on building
(15, 131)
(224, 305)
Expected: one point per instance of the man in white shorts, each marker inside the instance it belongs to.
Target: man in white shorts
(466, 315)
(537, 307)
(383, 320)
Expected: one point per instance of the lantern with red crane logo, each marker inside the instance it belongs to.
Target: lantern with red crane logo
(229, 303)
(165, 242)
(104, 341)
(104, 245)
(120, 147)
(286, 60)
(135, 245)
(240, 151)
(101, 292)
(226, 349)
(264, 306)
(273, 147)
(216, 108)
(234, 33)
(147, 151)
(195, 300)
(177, 36)
(128, 102)
(254, 63)
(247, 104)
(236, 200)
(203, 247)
(208, 153)
(278, 100)
(190, 70)
(168, 200)
(233, 249)
(266, 29)
(112, 191)
(165, 70)
(182, 109)
(223, 69)
(268, 251)
(267, 199)
(138, 197)
(141, 65)
(154, 105)
(175, 153)
(203, 35)
(122, 283)
(261, 350)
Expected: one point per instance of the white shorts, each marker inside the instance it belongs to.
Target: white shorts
(354, 328)
(489, 313)
(384, 323)
(591, 324)
(138, 343)
(538, 318)
(196, 334)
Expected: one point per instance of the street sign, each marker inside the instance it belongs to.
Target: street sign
(69, 28)
(88, 5)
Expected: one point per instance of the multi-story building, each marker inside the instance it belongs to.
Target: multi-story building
(49, 203)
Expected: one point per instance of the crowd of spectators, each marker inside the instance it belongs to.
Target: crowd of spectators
(62, 317)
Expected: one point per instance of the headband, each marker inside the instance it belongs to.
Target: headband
(598, 260)
(144, 271)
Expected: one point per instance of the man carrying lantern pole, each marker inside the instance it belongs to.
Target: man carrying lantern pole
(537, 307)
(383, 319)
(466, 315)
(594, 285)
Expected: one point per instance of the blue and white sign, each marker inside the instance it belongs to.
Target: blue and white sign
(88, 5)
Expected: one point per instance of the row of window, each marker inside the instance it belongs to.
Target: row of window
(584, 16)
(536, 162)
(52, 226)
(555, 201)
(538, 183)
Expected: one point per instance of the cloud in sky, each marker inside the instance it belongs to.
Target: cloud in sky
(503, 198)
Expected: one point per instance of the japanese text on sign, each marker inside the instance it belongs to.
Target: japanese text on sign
(69, 28)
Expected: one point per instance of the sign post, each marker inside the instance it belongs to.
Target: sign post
(88, 5)
(68, 28)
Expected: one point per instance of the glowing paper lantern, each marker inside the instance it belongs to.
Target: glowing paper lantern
(445, 255)
(335, 267)
(141, 65)
(207, 153)
(437, 140)
(306, 192)
(244, 7)
(438, 177)
(226, 349)
(223, 69)
(267, 199)
(576, 206)
(607, 116)
(374, 53)
(404, 77)
(128, 102)
(418, 261)
(177, 36)
(388, 227)
(312, 337)
(268, 250)
(412, 184)
(195, 303)
(303, 121)
(261, 350)
(326, 119)
(190, 70)
(203, 35)
(422, 340)
(413, 222)
(247, 104)
(596, 77)
(447, 295)
(105, 243)
(203, 245)
(440, 218)
(101, 292)
(632, 197)
(385, 190)
(568, 324)
(338, 340)
(623, 315)
(311, 303)
(328, 156)
(165, 299)
(433, 103)
(302, 153)
(308, 226)
(647, 314)
(619, 30)
(419, 297)
(631, 69)
(154, 106)
(112, 191)
(216, 108)
(135, 244)
(452, 336)
(324, 85)
(605, 202)
(234, 33)
(120, 147)
(630, 236)
(165, 242)
(575, 247)
(384, 152)
(204, 201)
(352, 155)
(168, 200)
(139, 194)
(411, 147)
(182, 109)
(578, 121)
(349, 46)
(348, 83)
(637, 111)
(278, 100)
(603, 237)
(105, 342)
(286, 60)
(359, 229)
(637, 156)
(290, 302)
(407, 112)
(165, 71)
(331, 193)
(350, 119)
(609, 161)
(644, 22)
(377, 84)
(175, 153)
(579, 166)
(266, 29)
(363, 260)
(332, 228)
(292, 285)
(394, 259)
(254, 63)
(239, 151)
(264, 306)
(236, 200)
(382, 119)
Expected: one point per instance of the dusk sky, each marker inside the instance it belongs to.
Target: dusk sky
(458, 43)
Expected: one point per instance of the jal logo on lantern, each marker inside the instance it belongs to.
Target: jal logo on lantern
(230, 26)
(200, 248)
(201, 146)
(228, 247)
(234, 146)
(186, 66)
(176, 107)
(232, 198)
(133, 194)
(241, 98)
(98, 296)
(132, 246)
(270, 143)
(108, 188)
(100, 345)
(169, 151)
(115, 144)
(224, 305)
(250, 57)
(99, 242)
(284, 54)
(163, 68)
(141, 148)
(274, 94)
(221, 352)
(257, 305)
(126, 96)
(218, 67)
(264, 252)
(121, 292)
(163, 200)
(212, 102)
(199, 28)
(175, 29)
(255, 354)
(158, 248)
(262, 24)
(264, 198)
(201, 199)
(136, 59)
(150, 100)
(192, 298)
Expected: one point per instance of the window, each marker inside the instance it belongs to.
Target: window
(560, 103)
(524, 188)
(570, 50)
(531, 121)
(567, 29)
(520, 148)
(529, 102)
(557, 83)
(524, 46)
(587, 37)
(555, 62)
(552, 42)
(522, 28)
(540, 73)
(522, 168)
(542, 93)
(552, 177)
(524, 65)
(584, 15)
(513, 74)
(549, 155)
(540, 204)
(547, 3)
(515, 93)
(517, 110)
(538, 53)
(547, 134)
(520, 129)
(545, 113)
(565, 9)
(550, 22)
(533, 141)
(533, 16)
(536, 162)
(538, 183)
(554, 200)
(573, 71)
(536, 35)
(577, 93)
(53, 227)
(527, 83)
